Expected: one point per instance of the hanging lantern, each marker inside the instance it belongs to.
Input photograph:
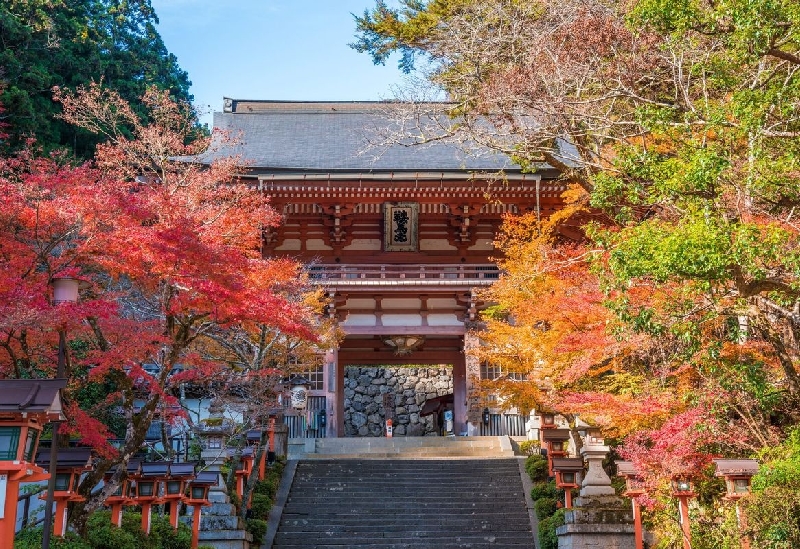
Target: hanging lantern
(298, 391)
(65, 290)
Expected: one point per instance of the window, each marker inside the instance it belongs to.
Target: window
(315, 377)
(492, 372)
(30, 444)
(62, 482)
(9, 442)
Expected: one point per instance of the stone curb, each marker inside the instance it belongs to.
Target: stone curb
(280, 501)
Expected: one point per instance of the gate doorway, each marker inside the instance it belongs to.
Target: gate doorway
(408, 395)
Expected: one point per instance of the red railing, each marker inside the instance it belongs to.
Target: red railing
(339, 273)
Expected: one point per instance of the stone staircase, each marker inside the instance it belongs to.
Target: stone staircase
(430, 503)
(401, 447)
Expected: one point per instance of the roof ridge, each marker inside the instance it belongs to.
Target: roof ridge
(261, 106)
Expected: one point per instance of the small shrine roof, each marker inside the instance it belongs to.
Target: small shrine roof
(747, 467)
(554, 434)
(31, 395)
(67, 458)
(566, 465)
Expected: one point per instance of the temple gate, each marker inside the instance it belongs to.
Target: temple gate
(400, 237)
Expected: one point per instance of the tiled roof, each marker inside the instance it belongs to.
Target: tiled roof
(331, 136)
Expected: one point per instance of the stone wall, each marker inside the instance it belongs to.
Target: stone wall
(367, 390)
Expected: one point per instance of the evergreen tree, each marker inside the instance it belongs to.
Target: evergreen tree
(69, 43)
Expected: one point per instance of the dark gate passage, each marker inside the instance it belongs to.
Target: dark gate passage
(374, 394)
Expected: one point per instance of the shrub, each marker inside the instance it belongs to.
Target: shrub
(266, 487)
(544, 490)
(101, 534)
(545, 507)
(31, 538)
(162, 532)
(547, 530)
(260, 506)
(258, 528)
(530, 447)
(536, 467)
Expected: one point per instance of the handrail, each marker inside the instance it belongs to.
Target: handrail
(324, 272)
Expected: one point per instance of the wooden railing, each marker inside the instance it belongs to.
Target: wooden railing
(330, 273)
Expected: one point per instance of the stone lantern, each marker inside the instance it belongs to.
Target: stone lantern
(568, 476)
(70, 465)
(26, 405)
(214, 433)
(596, 482)
(599, 518)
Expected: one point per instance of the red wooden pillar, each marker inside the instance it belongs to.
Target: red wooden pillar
(116, 514)
(637, 524)
(683, 508)
(60, 518)
(9, 520)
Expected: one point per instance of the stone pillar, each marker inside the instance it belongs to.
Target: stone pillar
(600, 519)
(332, 393)
(459, 396)
(281, 437)
(220, 526)
(473, 373)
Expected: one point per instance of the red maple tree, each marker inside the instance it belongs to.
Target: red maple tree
(168, 248)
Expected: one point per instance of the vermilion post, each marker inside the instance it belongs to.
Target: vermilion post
(742, 518)
(683, 507)
(8, 524)
(147, 509)
(196, 526)
(637, 524)
(116, 514)
(174, 507)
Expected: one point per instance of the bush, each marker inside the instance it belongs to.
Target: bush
(162, 532)
(31, 538)
(260, 506)
(545, 490)
(536, 467)
(530, 447)
(547, 530)
(258, 528)
(101, 534)
(545, 507)
(267, 487)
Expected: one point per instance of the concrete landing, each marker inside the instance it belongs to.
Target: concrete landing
(401, 448)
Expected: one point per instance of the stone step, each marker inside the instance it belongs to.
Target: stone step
(391, 524)
(405, 504)
(369, 497)
(442, 534)
(489, 543)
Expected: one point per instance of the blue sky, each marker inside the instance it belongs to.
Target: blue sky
(271, 49)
